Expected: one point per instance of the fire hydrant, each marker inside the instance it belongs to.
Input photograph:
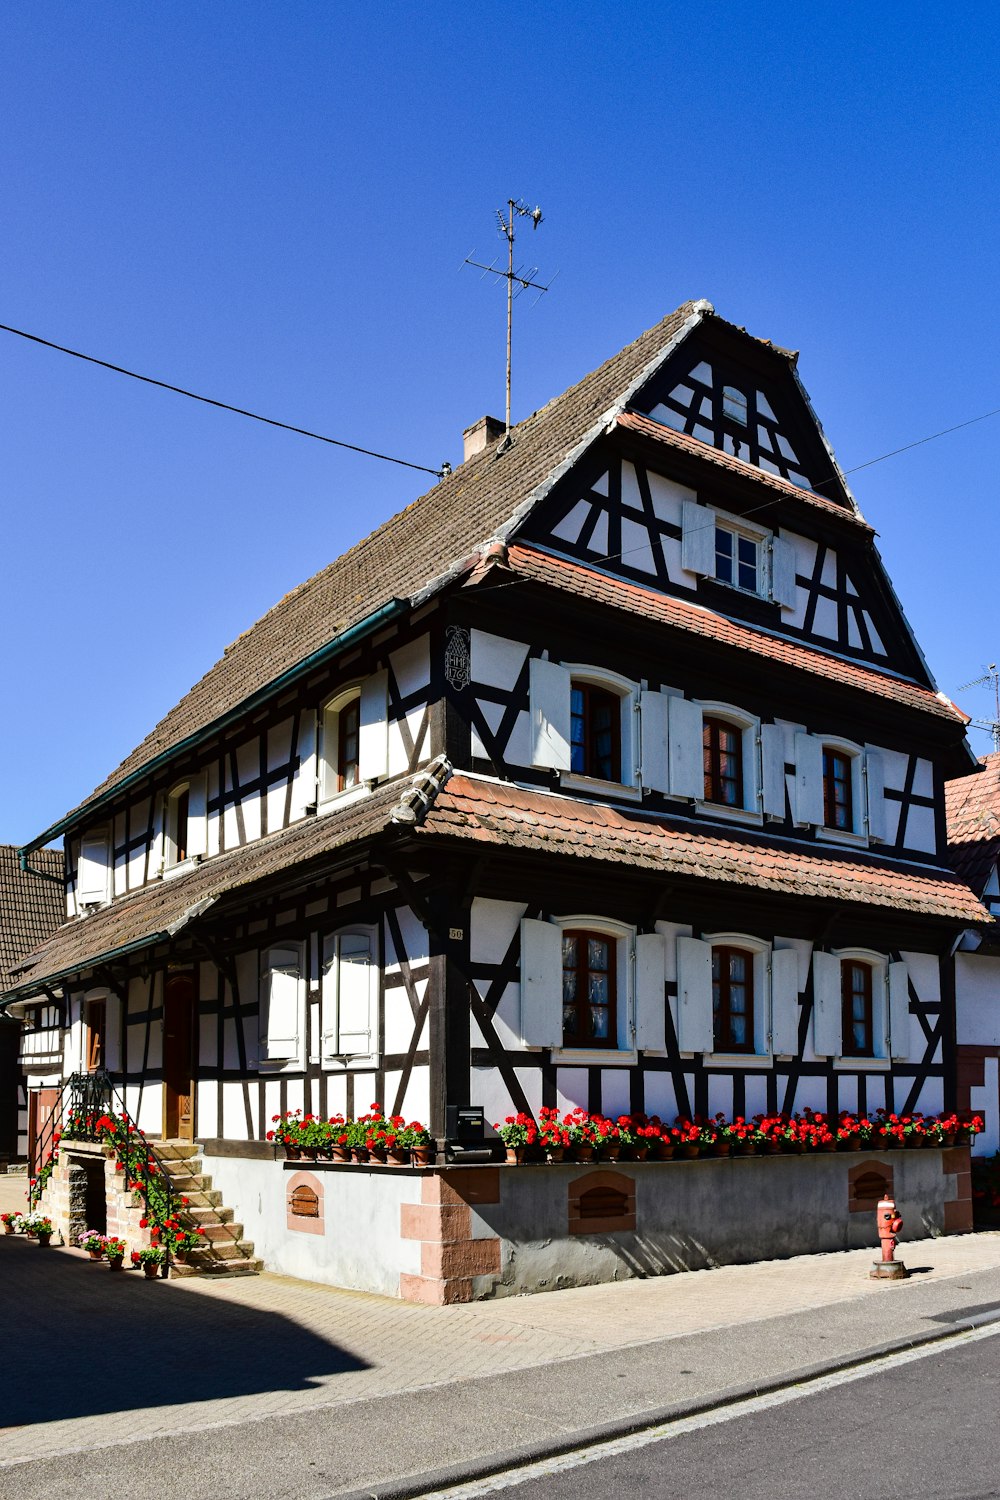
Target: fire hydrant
(888, 1224)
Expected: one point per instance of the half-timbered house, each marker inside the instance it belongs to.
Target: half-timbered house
(32, 906)
(609, 773)
(973, 808)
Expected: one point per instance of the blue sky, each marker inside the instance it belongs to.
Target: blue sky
(270, 203)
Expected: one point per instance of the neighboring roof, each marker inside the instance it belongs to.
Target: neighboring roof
(155, 911)
(584, 581)
(486, 812)
(412, 549)
(648, 427)
(972, 806)
(31, 907)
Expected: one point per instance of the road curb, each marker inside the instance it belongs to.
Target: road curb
(588, 1437)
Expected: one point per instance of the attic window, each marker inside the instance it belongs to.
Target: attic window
(734, 405)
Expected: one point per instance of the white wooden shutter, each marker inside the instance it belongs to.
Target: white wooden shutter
(541, 984)
(328, 1000)
(899, 1011)
(827, 1005)
(113, 1034)
(654, 709)
(197, 830)
(697, 538)
(92, 871)
(373, 738)
(874, 794)
(685, 749)
(784, 1002)
(808, 779)
(355, 1021)
(772, 770)
(695, 1031)
(650, 996)
(783, 587)
(549, 695)
(281, 1009)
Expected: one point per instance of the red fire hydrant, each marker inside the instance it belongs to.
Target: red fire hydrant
(888, 1223)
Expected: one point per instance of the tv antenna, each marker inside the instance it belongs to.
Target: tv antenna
(522, 278)
(990, 678)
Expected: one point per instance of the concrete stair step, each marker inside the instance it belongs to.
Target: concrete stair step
(188, 1185)
(249, 1267)
(222, 1250)
(207, 1216)
(219, 1233)
(183, 1171)
(174, 1150)
(210, 1198)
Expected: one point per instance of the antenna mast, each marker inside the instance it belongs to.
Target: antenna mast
(522, 277)
(990, 678)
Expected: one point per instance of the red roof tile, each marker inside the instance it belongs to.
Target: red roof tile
(972, 805)
(650, 428)
(682, 614)
(498, 813)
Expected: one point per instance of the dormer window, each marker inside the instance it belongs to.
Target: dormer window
(734, 405)
(737, 559)
(341, 744)
(93, 871)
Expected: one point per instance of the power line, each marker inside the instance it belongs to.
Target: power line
(240, 411)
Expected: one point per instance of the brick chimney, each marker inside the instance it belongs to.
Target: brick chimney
(482, 434)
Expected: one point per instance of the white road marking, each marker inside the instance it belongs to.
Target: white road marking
(547, 1467)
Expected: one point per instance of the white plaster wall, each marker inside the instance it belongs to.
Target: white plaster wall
(360, 1247)
(977, 997)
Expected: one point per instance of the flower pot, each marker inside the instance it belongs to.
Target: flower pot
(43, 1239)
(664, 1150)
(610, 1153)
(376, 1153)
(719, 1148)
(421, 1156)
(554, 1153)
(8, 1229)
(398, 1158)
(639, 1153)
(96, 1254)
(689, 1150)
(293, 1153)
(744, 1148)
(341, 1153)
(947, 1138)
(828, 1145)
(914, 1142)
(773, 1148)
(359, 1154)
(515, 1156)
(310, 1152)
(583, 1153)
(115, 1262)
(852, 1143)
(150, 1270)
(181, 1257)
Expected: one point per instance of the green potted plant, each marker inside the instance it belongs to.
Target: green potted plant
(114, 1249)
(41, 1228)
(92, 1241)
(150, 1258)
(416, 1139)
(517, 1132)
(12, 1222)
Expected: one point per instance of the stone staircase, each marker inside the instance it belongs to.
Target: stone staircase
(225, 1251)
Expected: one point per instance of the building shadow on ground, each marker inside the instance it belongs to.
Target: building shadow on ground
(82, 1340)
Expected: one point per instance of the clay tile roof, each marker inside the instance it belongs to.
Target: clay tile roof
(412, 549)
(682, 614)
(30, 908)
(144, 917)
(497, 813)
(972, 806)
(648, 427)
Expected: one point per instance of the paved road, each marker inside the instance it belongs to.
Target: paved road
(925, 1428)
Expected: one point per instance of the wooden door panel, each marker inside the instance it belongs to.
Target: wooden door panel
(178, 1058)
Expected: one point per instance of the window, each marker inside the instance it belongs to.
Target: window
(350, 997)
(732, 999)
(282, 1006)
(595, 732)
(838, 790)
(341, 744)
(588, 989)
(93, 870)
(723, 761)
(737, 559)
(857, 1029)
(734, 405)
(177, 820)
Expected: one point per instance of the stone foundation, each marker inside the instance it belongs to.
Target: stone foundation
(68, 1195)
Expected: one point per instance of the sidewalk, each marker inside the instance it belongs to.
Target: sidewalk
(282, 1387)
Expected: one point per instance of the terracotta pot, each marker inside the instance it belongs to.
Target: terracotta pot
(8, 1229)
(890, 1143)
(43, 1239)
(664, 1150)
(359, 1154)
(150, 1270)
(554, 1153)
(639, 1153)
(583, 1153)
(377, 1153)
(773, 1148)
(744, 1148)
(719, 1148)
(115, 1262)
(828, 1145)
(515, 1156)
(851, 1143)
(689, 1150)
(293, 1153)
(310, 1152)
(398, 1158)
(948, 1138)
(341, 1153)
(422, 1156)
(96, 1254)
(610, 1153)
(181, 1257)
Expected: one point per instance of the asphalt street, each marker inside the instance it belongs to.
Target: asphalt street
(924, 1428)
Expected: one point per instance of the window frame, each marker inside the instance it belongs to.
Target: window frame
(622, 1050)
(723, 1044)
(330, 747)
(737, 527)
(749, 727)
(626, 690)
(102, 836)
(583, 936)
(172, 857)
(854, 753)
(879, 1060)
(267, 967)
(848, 967)
(761, 1054)
(329, 998)
(95, 1033)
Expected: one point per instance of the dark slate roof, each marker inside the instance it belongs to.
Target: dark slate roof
(972, 804)
(152, 913)
(412, 549)
(30, 908)
(498, 813)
